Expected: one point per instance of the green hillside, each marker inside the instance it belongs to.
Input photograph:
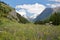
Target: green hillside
(7, 12)
(4, 9)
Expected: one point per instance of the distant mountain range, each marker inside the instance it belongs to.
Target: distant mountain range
(42, 16)
(45, 14)
(56, 9)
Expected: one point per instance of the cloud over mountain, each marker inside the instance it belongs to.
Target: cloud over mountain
(33, 9)
(56, 3)
(53, 5)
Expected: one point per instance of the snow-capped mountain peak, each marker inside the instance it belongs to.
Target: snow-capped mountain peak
(30, 11)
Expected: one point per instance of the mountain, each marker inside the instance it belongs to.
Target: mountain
(56, 9)
(30, 11)
(45, 14)
(7, 12)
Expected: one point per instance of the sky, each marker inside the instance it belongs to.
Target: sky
(13, 3)
(32, 8)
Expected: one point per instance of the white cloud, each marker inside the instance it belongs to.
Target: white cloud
(53, 5)
(55, 0)
(31, 8)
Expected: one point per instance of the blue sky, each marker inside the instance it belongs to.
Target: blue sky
(13, 3)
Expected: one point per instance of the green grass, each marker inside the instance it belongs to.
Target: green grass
(10, 30)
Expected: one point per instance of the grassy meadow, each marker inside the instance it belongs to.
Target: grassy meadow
(11, 30)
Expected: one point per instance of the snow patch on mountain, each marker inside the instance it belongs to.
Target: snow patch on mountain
(30, 11)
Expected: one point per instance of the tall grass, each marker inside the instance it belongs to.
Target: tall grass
(18, 31)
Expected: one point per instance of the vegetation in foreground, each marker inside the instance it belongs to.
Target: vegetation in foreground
(17, 31)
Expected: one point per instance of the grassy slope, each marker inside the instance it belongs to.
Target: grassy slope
(10, 30)
(5, 11)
